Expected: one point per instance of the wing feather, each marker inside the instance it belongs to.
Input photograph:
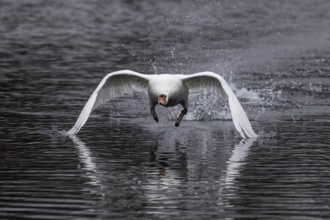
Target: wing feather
(216, 83)
(113, 85)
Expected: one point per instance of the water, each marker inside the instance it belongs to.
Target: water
(123, 165)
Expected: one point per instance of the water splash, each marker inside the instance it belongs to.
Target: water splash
(55, 133)
(205, 105)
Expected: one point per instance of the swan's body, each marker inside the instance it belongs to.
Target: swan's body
(167, 90)
(169, 85)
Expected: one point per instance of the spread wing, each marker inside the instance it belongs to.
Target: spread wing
(113, 85)
(217, 84)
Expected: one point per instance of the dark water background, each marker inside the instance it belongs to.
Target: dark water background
(123, 165)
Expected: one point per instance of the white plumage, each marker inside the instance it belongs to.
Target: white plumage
(165, 89)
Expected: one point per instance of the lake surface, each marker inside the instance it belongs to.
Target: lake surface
(123, 165)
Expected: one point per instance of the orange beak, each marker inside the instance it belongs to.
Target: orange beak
(161, 99)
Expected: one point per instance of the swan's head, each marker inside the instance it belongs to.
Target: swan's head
(162, 99)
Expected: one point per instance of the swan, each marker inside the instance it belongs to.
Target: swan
(166, 90)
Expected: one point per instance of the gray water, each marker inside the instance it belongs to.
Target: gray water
(123, 165)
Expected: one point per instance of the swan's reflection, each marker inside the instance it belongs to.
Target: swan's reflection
(87, 161)
(237, 160)
(179, 162)
(235, 164)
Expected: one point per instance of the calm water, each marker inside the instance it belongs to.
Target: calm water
(123, 165)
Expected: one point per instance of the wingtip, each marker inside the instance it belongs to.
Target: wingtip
(251, 134)
(72, 131)
(69, 132)
(246, 136)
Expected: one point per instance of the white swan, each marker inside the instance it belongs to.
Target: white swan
(166, 90)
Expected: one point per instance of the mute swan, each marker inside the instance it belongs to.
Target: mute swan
(166, 90)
